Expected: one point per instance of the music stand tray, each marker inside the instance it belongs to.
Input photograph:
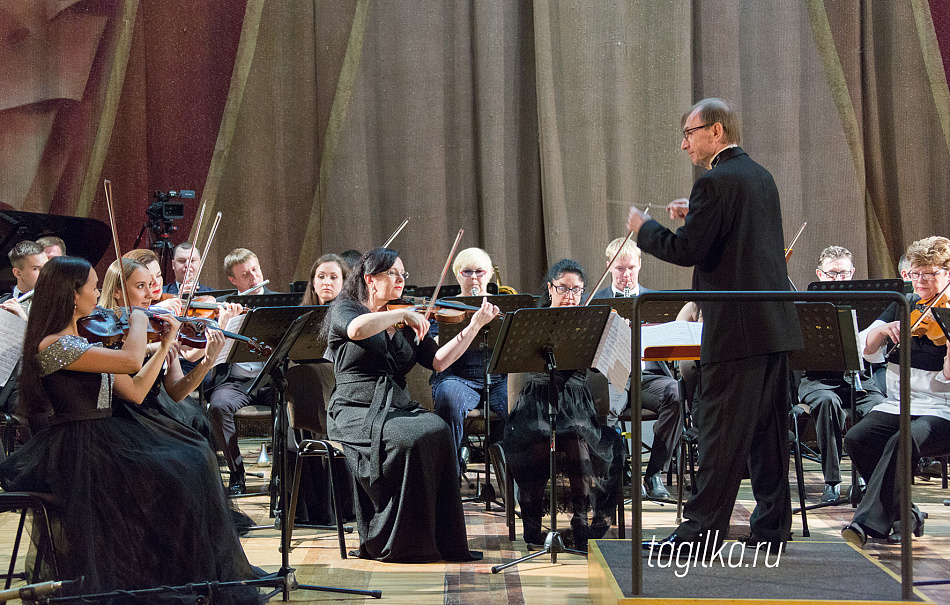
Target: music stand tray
(276, 299)
(867, 310)
(549, 340)
(653, 312)
(269, 324)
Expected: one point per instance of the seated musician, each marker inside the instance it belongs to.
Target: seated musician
(408, 505)
(828, 397)
(591, 455)
(231, 380)
(660, 391)
(326, 280)
(458, 390)
(52, 245)
(26, 258)
(872, 442)
(185, 265)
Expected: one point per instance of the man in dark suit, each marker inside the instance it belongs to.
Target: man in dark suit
(827, 396)
(660, 391)
(733, 237)
(185, 265)
(231, 380)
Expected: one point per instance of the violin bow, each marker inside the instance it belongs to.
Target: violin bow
(396, 232)
(607, 270)
(194, 242)
(201, 263)
(445, 269)
(788, 251)
(107, 186)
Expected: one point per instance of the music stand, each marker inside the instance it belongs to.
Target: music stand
(217, 293)
(275, 368)
(831, 346)
(274, 299)
(653, 312)
(548, 340)
(866, 310)
(489, 334)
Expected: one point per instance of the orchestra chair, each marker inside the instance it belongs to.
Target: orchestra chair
(473, 434)
(309, 387)
(38, 504)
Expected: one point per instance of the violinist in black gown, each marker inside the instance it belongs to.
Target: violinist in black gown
(409, 506)
(137, 507)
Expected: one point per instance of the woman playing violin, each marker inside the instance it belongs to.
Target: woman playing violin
(409, 507)
(151, 262)
(588, 450)
(458, 390)
(177, 384)
(872, 442)
(139, 508)
(326, 280)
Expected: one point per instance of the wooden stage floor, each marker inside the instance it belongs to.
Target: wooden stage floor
(315, 554)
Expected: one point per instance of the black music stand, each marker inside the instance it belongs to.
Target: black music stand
(867, 311)
(275, 368)
(489, 335)
(653, 312)
(267, 325)
(548, 340)
(274, 299)
(830, 346)
(217, 293)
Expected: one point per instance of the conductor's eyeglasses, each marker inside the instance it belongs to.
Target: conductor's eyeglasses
(918, 276)
(564, 289)
(473, 272)
(689, 131)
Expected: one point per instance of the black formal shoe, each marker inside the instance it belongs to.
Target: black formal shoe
(831, 495)
(599, 527)
(773, 546)
(236, 485)
(655, 490)
(854, 534)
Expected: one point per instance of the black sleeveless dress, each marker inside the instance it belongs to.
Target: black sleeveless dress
(139, 508)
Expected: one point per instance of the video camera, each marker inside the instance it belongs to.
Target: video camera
(163, 209)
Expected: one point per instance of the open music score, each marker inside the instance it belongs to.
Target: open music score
(671, 341)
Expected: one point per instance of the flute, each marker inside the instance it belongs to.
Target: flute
(257, 287)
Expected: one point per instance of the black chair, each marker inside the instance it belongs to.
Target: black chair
(309, 387)
(39, 505)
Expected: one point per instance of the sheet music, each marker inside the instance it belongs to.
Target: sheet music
(12, 330)
(612, 358)
(234, 325)
(671, 333)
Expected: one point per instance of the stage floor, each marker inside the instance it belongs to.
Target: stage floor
(814, 571)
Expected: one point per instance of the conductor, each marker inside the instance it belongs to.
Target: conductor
(733, 238)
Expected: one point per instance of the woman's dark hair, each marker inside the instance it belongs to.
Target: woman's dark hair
(559, 268)
(354, 289)
(54, 301)
(310, 295)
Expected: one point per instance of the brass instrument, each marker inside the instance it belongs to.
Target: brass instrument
(501, 289)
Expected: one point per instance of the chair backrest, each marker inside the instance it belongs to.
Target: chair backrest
(309, 387)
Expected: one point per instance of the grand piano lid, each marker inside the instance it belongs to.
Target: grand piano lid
(85, 237)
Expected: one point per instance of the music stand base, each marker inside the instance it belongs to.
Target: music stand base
(553, 545)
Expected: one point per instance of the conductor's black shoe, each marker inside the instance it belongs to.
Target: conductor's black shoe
(655, 490)
(773, 546)
(831, 495)
(236, 485)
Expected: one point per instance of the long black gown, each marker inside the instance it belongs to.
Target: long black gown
(409, 507)
(139, 508)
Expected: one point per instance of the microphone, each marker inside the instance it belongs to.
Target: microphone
(31, 592)
(257, 287)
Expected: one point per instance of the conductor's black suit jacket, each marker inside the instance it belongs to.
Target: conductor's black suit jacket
(733, 237)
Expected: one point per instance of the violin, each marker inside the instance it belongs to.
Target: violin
(109, 328)
(446, 311)
(201, 306)
(923, 322)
